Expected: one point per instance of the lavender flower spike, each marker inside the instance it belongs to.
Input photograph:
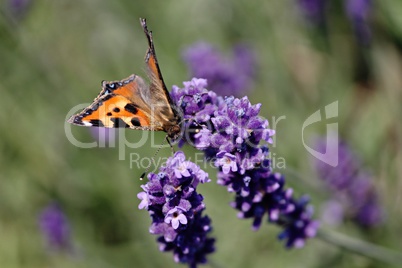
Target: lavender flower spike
(226, 76)
(176, 210)
(236, 138)
(55, 228)
(19, 8)
(353, 186)
(358, 12)
(313, 10)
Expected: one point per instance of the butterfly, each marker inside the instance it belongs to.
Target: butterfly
(131, 103)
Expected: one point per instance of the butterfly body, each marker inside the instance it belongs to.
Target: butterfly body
(131, 103)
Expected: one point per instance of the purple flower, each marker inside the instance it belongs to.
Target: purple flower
(226, 161)
(176, 210)
(313, 10)
(55, 228)
(236, 138)
(176, 216)
(358, 12)
(202, 137)
(300, 227)
(181, 170)
(197, 103)
(18, 8)
(144, 200)
(352, 186)
(225, 76)
(332, 212)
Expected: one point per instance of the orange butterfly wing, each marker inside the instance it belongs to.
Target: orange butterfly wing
(130, 103)
(114, 111)
(119, 104)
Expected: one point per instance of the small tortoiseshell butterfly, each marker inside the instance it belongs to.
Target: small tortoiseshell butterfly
(130, 103)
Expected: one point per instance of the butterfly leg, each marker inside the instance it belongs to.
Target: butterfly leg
(192, 120)
(168, 141)
(155, 154)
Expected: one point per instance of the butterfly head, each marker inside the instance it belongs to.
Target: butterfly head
(173, 131)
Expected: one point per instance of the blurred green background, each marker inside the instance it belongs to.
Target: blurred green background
(53, 56)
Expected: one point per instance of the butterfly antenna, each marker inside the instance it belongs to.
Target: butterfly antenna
(150, 163)
(168, 141)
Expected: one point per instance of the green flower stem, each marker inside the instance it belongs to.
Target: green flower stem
(360, 247)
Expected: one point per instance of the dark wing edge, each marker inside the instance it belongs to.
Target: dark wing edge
(152, 63)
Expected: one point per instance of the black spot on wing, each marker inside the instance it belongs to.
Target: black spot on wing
(107, 97)
(131, 108)
(96, 123)
(109, 114)
(95, 106)
(119, 123)
(88, 111)
(116, 110)
(135, 122)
